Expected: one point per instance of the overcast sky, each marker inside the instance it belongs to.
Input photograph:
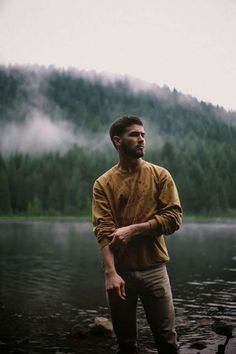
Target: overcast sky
(186, 44)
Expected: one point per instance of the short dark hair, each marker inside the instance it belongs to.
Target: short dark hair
(119, 126)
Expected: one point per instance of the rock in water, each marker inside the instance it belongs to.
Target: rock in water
(222, 328)
(80, 330)
(198, 345)
(105, 322)
(102, 326)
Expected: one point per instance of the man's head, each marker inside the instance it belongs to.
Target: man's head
(127, 135)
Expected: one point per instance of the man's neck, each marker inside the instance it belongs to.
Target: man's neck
(129, 164)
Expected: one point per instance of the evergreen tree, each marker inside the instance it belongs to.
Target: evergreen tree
(5, 200)
(35, 208)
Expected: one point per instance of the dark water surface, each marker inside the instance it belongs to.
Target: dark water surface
(51, 277)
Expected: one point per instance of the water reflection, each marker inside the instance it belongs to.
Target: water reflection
(48, 262)
(203, 279)
(48, 266)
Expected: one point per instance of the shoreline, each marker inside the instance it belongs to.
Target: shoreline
(87, 218)
(53, 332)
(46, 218)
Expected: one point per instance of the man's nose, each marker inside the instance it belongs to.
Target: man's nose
(141, 137)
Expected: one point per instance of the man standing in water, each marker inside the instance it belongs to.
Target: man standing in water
(135, 204)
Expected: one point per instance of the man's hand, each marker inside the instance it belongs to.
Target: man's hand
(115, 283)
(120, 237)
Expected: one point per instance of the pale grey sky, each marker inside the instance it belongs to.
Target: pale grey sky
(186, 44)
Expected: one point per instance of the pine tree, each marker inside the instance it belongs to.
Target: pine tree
(5, 200)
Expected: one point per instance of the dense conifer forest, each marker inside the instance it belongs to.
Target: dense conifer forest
(194, 140)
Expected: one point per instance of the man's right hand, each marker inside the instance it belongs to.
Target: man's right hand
(114, 283)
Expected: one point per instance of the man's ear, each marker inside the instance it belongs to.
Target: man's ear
(117, 141)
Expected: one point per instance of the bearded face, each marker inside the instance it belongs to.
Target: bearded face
(133, 142)
(132, 151)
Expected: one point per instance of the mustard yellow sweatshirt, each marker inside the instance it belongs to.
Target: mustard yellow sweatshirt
(122, 198)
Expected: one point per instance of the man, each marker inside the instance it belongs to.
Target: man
(135, 203)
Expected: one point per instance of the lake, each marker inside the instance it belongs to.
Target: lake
(51, 278)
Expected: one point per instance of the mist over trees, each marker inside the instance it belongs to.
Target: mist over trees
(194, 140)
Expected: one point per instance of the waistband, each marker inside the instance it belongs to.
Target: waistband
(158, 265)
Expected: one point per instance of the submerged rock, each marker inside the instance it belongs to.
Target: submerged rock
(198, 345)
(222, 328)
(80, 330)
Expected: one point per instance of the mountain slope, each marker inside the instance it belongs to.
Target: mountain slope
(194, 140)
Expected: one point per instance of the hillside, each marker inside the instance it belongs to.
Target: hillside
(194, 140)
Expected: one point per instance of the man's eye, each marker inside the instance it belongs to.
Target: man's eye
(136, 134)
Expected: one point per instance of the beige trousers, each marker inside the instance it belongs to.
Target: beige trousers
(152, 286)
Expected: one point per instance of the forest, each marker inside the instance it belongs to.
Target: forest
(194, 140)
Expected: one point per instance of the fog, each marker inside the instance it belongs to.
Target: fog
(40, 134)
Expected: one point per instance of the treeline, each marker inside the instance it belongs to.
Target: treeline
(51, 184)
(62, 185)
(194, 140)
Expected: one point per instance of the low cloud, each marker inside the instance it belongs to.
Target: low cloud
(39, 134)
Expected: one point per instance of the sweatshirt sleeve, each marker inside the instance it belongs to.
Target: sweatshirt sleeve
(169, 215)
(103, 223)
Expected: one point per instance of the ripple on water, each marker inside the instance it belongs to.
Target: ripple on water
(230, 269)
(53, 275)
(194, 283)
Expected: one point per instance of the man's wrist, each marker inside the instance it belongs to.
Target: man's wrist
(110, 272)
(141, 229)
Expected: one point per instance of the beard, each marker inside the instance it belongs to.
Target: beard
(132, 152)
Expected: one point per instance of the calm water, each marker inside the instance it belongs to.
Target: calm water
(53, 269)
